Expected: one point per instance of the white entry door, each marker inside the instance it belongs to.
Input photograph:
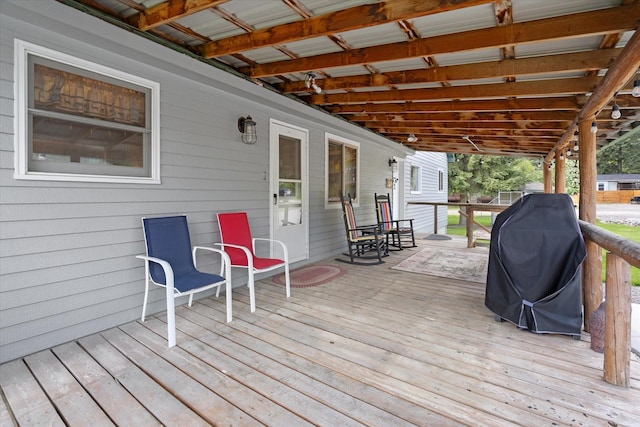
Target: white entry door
(289, 188)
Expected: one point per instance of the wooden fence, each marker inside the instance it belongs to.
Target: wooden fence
(617, 196)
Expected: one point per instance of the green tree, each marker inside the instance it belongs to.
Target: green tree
(480, 175)
(621, 156)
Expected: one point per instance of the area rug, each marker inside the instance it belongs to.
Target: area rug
(311, 275)
(461, 265)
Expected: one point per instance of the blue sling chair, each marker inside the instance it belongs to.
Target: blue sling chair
(170, 262)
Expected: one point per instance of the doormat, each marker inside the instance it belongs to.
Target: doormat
(461, 265)
(311, 275)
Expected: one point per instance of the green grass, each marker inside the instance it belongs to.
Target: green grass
(626, 231)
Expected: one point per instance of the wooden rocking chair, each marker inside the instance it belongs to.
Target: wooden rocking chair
(400, 230)
(365, 242)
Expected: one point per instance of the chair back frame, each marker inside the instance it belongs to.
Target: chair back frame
(363, 242)
(171, 262)
(238, 242)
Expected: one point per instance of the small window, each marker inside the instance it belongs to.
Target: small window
(601, 186)
(343, 172)
(416, 180)
(440, 180)
(80, 121)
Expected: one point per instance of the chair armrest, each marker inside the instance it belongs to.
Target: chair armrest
(246, 250)
(168, 270)
(285, 251)
(366, 227)
(410, 220)
(398, 221)
(225, 262)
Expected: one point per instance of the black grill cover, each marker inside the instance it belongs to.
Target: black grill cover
(534, 276)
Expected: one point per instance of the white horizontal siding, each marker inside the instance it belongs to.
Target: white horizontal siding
(430, 164)
(67, 249)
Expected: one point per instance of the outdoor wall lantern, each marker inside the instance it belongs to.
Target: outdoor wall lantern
(393, 164)
(594, 127)
(247, 128)
(412, 138)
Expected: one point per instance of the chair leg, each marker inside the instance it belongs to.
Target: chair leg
(171, 317)
(252, 292)
(190, 299)
(287, 280)
(228, 296)
(146, 297)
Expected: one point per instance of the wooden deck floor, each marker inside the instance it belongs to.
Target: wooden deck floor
(376, 347)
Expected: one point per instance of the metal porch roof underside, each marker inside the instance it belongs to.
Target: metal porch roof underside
(514, 76)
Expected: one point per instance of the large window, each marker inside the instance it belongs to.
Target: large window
(416, 180)
(79, 121)
(343, 172)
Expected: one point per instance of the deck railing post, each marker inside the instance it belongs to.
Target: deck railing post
(617, 324)
(591, 280)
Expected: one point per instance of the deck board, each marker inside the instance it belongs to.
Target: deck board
(376, 347)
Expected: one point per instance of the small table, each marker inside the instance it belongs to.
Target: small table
(470, 207)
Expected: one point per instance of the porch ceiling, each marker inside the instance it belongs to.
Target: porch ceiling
(515, 76)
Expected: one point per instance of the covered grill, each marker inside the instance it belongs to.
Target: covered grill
(534, 277)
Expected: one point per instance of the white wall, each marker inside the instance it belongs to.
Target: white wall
(430, 164)
(67, 250)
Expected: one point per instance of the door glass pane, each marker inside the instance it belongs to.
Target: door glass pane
(290, 158)
(289, 182)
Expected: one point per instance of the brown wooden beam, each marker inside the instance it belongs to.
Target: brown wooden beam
(509, 89)
(169, 11)
(601, 21)
(580, 61)
(546, 127)
(499, 105)
(335, 22)
(620, 73)
(564, 117)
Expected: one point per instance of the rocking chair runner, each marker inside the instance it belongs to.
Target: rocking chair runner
(170, 262)
(400, 230)
(364, 242)
(235, 234)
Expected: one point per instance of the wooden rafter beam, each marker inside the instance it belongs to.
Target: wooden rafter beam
(603, 21)
(168, 11)
(483, 105)
(478, 132)
(623, 70)
(475, 117)
(579, 61)
(509, 89)
(336, 22)
(463, 124)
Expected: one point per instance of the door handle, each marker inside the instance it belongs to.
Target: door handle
(275, 199)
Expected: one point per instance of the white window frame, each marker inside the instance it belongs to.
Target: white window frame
(441, 178)
(328, 137)
(418, 189)
(23, 50)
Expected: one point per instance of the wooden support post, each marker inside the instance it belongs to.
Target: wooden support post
(561, 168)
(617, 323)
(470, 241)
(592, 267)
(546, 173)
(435, 219)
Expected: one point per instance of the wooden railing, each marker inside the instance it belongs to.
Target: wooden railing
(617, 338)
